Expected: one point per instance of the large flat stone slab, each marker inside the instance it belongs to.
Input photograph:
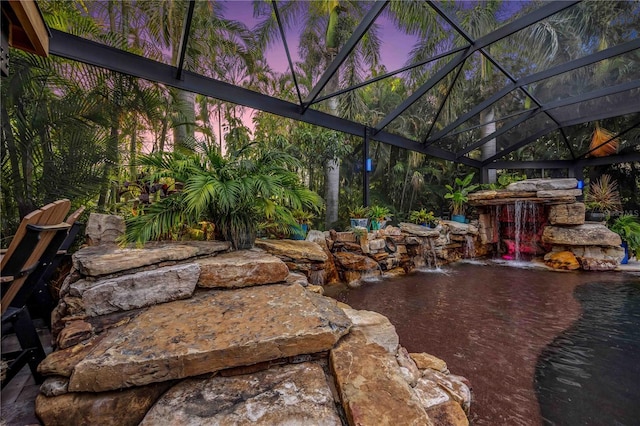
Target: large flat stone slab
(557, 193)
(211, 331)
(543, 184)
(371, 386)
(295, 394)
(588, 234)
(419, 230)
(294, 249)
(457, 228)
(105, 260)
(241, 269)
(137, 290)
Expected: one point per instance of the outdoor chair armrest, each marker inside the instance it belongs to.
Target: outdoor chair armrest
(58, 227)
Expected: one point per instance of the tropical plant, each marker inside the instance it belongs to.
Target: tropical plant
(327, 26)
(379, 213)
(458, 194)
(603, 195)
(303, 217)
(358, 212)
(421, 217)
(236, 192)
(628, 227)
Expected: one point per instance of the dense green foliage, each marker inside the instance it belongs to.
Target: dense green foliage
(236, 192)
(75, 131)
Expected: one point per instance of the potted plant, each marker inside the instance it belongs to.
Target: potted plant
(229, 191)
(379, 216)
(458, 194)
(358, 216)
(424, 218)
(628, 227)
(303, 220)
(601, 199)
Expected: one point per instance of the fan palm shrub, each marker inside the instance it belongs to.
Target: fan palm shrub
(235, 192)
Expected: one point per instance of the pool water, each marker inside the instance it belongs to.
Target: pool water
(539, 347)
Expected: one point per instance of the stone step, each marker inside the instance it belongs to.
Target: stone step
(213, 330)
(137, 290)
(104, 260)
(304, 251)
(242, 268)
(296, 394)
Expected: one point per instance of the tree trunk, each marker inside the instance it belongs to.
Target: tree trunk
(488, 150)
(183, 133)
(133, 152)
(332, 190)
(111, 160)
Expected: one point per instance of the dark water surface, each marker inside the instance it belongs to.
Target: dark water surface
(539, 347)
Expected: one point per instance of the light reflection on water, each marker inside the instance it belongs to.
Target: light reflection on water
(491, 324)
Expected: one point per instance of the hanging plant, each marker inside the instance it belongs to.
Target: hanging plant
(603, 143)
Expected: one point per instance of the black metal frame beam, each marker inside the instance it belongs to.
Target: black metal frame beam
(542, 75)
(623, 110)
(623, 87)
(286, 49)
(344, 52)
(502, 130)
(89, 52)
(417, 94)
(389, 74)
(564, 164)
(184, 39)
(543, 12)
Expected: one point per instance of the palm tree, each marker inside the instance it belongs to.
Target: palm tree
(326, 25)
(213, 41)
(235, 192)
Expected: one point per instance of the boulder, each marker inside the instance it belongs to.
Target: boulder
(588, 234)
(561, 260)
(355, 262)
(594, 258)
(457, 228)
(287, 395)
(555, 193)
(371, 386)
(377, 244)
(543, 184)
(375, 327)
(408, 366)
(104, 260)
(345, 237)
(62, 362)
(419, 230)
(425, 360)
(567, 214)
(449, 413)
(137, 290)
(104, 229)
(429, 393)
(121, 407)
(294, 249)
(73, 333)
(482, 195)
(241, 268)
(297, 278)
(211, 331)
(54, 386)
